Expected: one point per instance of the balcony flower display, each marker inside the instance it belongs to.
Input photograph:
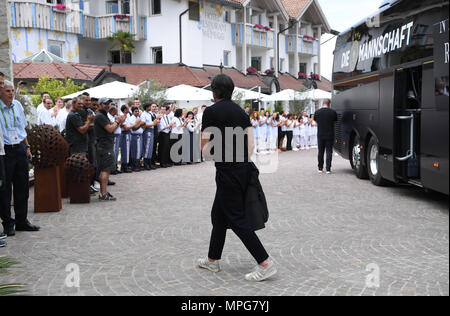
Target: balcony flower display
(315, 77)
(60, 7)
(121, 17)
(269, 72)
(309, 38)
(258, 26)
(302, 75)
(252, 71)
(267, 28)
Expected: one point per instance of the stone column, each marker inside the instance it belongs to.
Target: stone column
(244, 42)
(5, 48)
(296, 52)
(319, 34)
(276, 59)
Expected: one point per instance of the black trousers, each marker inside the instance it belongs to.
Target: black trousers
(164, 148)
(155, 146)
(2, 173)
(16, 175)
(290, 135)
(228, 212)
(281, 135)
(325, 145)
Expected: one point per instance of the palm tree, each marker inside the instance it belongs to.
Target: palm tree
(125, 42)
(9, 289)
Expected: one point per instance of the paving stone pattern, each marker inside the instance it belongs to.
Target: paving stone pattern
(323, 232)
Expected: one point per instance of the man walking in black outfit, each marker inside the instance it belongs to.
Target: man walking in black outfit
(326, 119)
(232, 179)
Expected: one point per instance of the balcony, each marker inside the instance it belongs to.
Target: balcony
(306, 46)
(46, 17)
(256, 37)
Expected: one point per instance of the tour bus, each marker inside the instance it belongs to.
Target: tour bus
(391, 92)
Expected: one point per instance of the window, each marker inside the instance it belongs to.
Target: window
(125, 6)
(226, 58)
(157, 55)
(271, 63)
(56, 48)
(303, 68)
(256, 63)
(112, 7)
(115, 57)
(194, 11)
(56, 1)
(156, 7)
(227, 16)
(281, 64)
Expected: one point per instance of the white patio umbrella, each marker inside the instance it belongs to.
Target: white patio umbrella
(317, 94)
(188, 93)
(114, 90)
(285, 95)
(247, 94)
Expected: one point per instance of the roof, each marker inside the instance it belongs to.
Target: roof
(44, 57)
(295, 7)
(288, 81)
(30, 70)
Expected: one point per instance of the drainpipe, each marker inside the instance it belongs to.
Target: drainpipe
(181, 33)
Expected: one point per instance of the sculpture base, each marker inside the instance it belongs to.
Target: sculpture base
(79, 192)
(47, 190)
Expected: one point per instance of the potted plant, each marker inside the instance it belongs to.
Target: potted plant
(309, 38)
(121, 17)
(267, 28)
(252, 71)
(60, 8)
(315, 77)
(258, 26)
(269, 72)
(302, 75)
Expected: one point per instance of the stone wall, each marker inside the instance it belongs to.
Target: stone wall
(5, 50)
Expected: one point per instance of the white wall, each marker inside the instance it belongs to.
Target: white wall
(94, 51)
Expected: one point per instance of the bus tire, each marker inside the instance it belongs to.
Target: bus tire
(357, 159)
(373, 159)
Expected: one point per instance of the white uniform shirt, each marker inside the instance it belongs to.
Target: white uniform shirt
(147, 118)
(112, 119)
(296, 125)
(61, 119)
(40, 109)
(290, 128)
(132, 121)
(2, 144)
(177, 129)
(126, 123)
(282, 120)
(45, 117)
(165, 120)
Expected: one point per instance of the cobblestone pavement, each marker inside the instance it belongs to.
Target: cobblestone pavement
(324, 232)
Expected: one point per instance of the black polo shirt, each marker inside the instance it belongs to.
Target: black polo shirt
(325, 118)
(227, 114)
(78, 142)
(105, 140)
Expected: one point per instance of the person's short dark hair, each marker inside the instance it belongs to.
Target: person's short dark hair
(146, 106)
(222, 87)
(167, 107)
(134, 108)
(85, 94)
(204, 106)
(123, 107)
(178, 113)
(282, 112)
(112, 110)
(189, 113)
(94, 99)
(327, 102)
(2, 74)
(42, 94)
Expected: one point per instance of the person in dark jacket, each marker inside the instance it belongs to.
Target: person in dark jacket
(326, 118)
(232, 179)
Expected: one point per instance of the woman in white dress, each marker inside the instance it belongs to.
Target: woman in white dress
(256, 129)
(302, 134)
(274, 132)
(296, 134)
(314, 132)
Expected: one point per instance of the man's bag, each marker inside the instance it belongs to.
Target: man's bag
(256, 210)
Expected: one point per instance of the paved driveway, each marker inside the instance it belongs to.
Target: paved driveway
(329, 235)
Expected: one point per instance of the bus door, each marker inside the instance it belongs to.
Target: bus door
(407, 122)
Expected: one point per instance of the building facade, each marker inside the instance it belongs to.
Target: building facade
(239, 34)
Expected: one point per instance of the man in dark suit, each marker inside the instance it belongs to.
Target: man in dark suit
(232, 178)
(326, 118)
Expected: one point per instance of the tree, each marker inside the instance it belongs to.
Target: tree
(56, 88)
(153, 91)
(125, 42)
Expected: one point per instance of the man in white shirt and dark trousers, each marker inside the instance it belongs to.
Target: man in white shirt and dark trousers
(164, 127)
(112, 114)
(2, 174)
(148, 135)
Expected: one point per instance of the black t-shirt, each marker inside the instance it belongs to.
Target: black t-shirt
(105, 140)
(325, 118)
(228, 116)
(78, 142)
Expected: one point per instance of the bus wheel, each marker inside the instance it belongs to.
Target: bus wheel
(373, 164)
(356, 160)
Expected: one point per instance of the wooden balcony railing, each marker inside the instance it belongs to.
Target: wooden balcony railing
(255, 37)
(305, 46)
(44, 16)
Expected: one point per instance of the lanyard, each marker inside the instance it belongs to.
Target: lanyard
(4, 117)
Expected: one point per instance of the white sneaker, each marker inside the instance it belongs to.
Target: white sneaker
(328, 172)
(295, 149)
(204, 263)
(260, 274)
(320, 171)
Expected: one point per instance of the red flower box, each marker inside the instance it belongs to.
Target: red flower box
(252, 71)
(302, 75)
(269, 72)
(315, 77)
(60, 7)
